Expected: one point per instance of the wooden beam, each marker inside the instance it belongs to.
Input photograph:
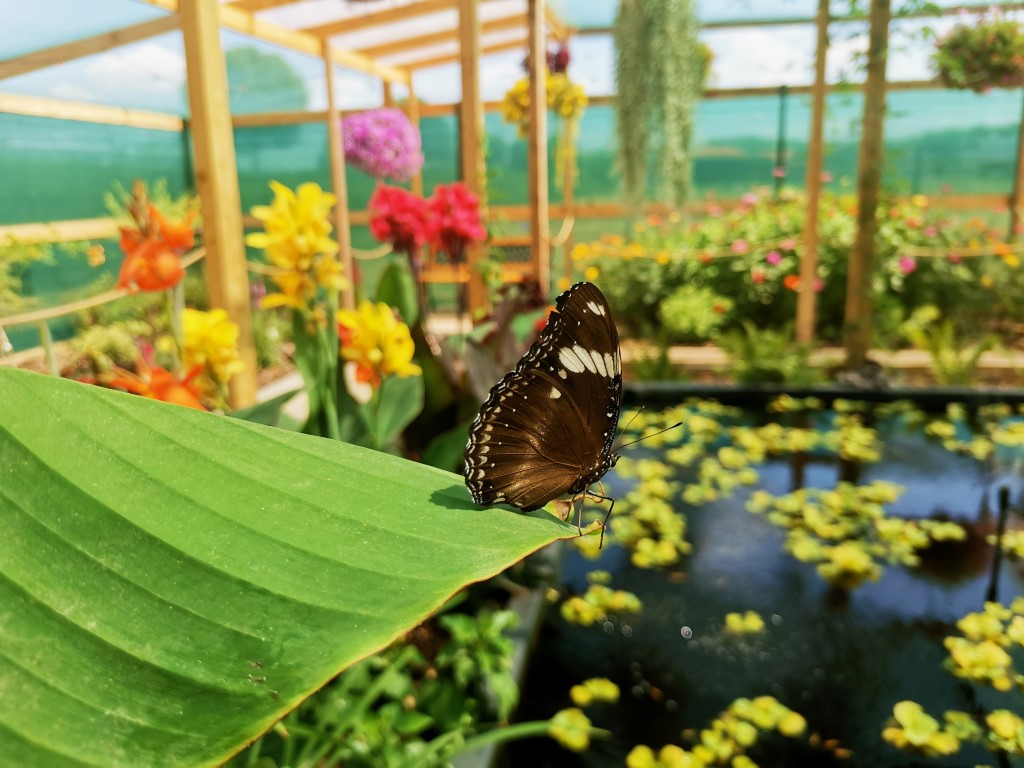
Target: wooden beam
(35, 106)
(234, 18)
(1017, 200)
(412, 111)
(559, 29)
(860, 280)
(213, 142)
(444, 36)
(451, 58)
(253, 6)
(806, 300)
(61, 54)
(71, 231)
(336, 151)
(471, 133)
(950, 10)
(376, 18)
(537, 147)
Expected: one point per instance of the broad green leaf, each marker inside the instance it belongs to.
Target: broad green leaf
(397, 403)
(398, 288)
(172, 582)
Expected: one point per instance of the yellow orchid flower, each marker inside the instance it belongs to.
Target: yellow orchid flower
(377, 342)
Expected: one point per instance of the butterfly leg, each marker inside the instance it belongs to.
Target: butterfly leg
(604, 523)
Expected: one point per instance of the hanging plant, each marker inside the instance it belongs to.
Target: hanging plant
(660, 73)
(567, 101)
(983, 55)
(383, 143)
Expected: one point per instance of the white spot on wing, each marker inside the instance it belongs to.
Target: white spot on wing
(598, 359)
(611, 364)
(562, 374)
(555, 394)
(597, 309)
(570, 360)
(583, 355)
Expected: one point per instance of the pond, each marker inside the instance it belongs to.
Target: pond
(841, 659)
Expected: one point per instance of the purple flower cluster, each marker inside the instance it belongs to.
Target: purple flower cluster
(382, 143)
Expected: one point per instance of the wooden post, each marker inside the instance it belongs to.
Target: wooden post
(412, 110)
(537, 147)
(217, 181)
(869, 178)
(806, 300)
(1017, 200)
(471, 127)
(569, 204)
(336, 150)
(389, 96)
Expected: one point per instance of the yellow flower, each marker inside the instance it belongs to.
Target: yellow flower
(211, 341)
(919, 200)
(378, 342)
(591, 273)
(95, 255)
(987, 281)
(296, 240)
(564, 283)
(571, 729)
(1011, 259)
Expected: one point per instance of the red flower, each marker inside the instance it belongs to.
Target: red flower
(757, 276)
(792, 282)
(454, 219)
(398, 217)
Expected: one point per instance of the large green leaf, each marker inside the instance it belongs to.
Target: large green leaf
(172, 582)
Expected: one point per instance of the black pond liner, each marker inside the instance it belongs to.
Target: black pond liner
(840, 660)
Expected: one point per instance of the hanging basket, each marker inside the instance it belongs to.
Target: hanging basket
(981, 56)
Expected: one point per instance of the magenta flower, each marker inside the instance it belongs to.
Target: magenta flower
(930, 231)
(788, 244)
(773, 257)
(714, 210)
(907, 264)
(819, 284)
(825, 177)
(454, 219)
(779, 172)
(750, 198)
(383, 143)
(740, 246)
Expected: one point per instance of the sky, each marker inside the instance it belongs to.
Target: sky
(151, 74)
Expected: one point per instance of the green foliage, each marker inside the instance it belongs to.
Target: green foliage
(847, 532)
(208, 574)
(729, 737)
(659, 75)
(261, 81)
(694, 313)
(107, 346)
(954, 362)
(174, 207)
(768, 356)
(986, 53)
(15, 256)
(750, 254)
(397, 287)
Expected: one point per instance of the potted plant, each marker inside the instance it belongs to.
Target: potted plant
(980, 56)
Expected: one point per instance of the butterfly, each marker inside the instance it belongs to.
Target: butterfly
(546, 429)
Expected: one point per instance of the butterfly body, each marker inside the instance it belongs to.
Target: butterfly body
(546, 429)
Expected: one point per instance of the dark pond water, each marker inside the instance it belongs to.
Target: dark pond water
(842, 663)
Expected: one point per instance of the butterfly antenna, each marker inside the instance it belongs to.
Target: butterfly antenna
(632, 419)
(660, 431)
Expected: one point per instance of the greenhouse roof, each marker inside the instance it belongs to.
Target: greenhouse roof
(62, 49)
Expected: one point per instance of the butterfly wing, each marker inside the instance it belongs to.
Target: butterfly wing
(547, 427)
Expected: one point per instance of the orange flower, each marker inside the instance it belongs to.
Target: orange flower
(178, 235)
(792, 282)
(158, 384)
(150, 266)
